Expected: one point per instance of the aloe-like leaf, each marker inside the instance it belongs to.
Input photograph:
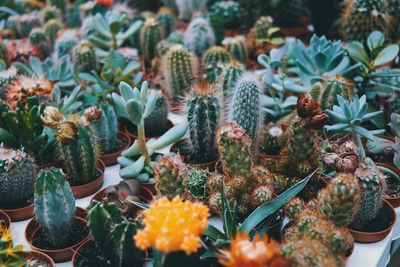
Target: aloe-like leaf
(124, 161)
(371, 115)
(134, 169)
(134, 109)
(364, 132)
(213, 233)
(387, 55)
(171, 136)
(336, 127)
(132, 151)
(150, 105)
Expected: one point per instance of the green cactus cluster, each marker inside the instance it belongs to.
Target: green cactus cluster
(167, 21)
(151, 33)
(199, 36)
(272, 139)
(238, 49)
(41, 41)
(17, 177)
(213, 62)
(51, 28)
(230, 11)
(54, 206)
(84, 56)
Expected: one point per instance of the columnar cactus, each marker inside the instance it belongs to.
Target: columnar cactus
(104, 125)
(54, 206)
(51, 28)
(151, 33)
(167, 21)
(186, 8)
(23, 24)
(63, 45)
(84, 56)
(79, 151)
(213, 62)
(39, 39)
(179, 71)
(17, 177)
(231, 13)
(238, 49)
(157, 121)
(262, 26)
(231, 73)
(199, 36)
(204, 110)
(245, 107)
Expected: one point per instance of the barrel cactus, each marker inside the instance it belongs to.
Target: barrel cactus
(196, 182)
(151, 33)
(231, 13)
(199, 36)
(213, 62)
(63, 45)
(238, 49)
(167, 21)
(39, 39)
(84, 56)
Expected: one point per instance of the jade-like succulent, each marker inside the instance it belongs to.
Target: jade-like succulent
(199, 36)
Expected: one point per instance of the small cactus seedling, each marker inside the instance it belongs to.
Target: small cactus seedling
(199, 36)
(151, 33)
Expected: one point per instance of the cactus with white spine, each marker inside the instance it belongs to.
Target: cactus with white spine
(231, 73)
(213, 62)
(54, 206)
(238, 49)
(51, 28)
(151, 33)
(199, 36)
(167, 21)
(39, 39)
(231, 13)
(84, 56)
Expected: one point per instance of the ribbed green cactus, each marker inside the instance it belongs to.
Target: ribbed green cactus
(339, 202)
(151, 33)
(234, 147)
(325, 93)
(217, 24)
(179, 71)
(103, 124)
(51, 28)
(262, 26)
(39, 39)
(54, 206)
(214, 60)
(199, 36)
(361, 17)
(196, 184)
(113, 234)
(231, 73)
(231, 12)
(17, 177)
(84, 56)
(63, 45)
(245, 107)
(167, 21)
(79, 151)
(157, 121)
(203, 116)
(272, 139)
(238, 49)
(186, 8)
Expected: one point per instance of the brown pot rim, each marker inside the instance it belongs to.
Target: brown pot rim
(5, 218)
(58, 255)
(81, 191)
(394, 201)
(40, 255)
(133, 137)
(100, 193)
(111, 158)
(372, 237)
(20, 214)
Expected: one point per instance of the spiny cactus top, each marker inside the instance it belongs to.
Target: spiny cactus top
(230, 11)
(199, 36)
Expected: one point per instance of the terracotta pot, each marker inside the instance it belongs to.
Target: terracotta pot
(372, 237)
(394, 201)
(36, 255)
(20, 214)
(151, 186)
(81, 191)
(58, 255)
(145, 194)
(133, 136)
(5, 219)
(86, 243)
(111, 159)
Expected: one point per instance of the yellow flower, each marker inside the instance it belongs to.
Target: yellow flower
(257, 253)
(67, 131)
(173, 225)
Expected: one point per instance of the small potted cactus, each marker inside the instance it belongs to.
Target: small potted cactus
(56, 229)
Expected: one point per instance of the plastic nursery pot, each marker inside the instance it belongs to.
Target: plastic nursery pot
(33, 230)
(372, 237)
(145, 194)
(132, 135)
(81, 191)
(41, 257)
(20, 214)
(80, 252)
(4, 219)
(394, 201)
(111, 159)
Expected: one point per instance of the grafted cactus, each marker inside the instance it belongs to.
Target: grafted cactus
(199, 36)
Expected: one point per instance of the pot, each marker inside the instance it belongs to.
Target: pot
(372, 237)
(5, 219)
(394, 201)
(58, 255)
(20, 214)
(36, 255)
(145, 194)
(81, 191)
(111, 159)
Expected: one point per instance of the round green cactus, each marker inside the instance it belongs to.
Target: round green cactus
(84, 56)
(230, 11)
(213, 62)
(325, 93)
(199, 36)
(39, 38)
(196, 184)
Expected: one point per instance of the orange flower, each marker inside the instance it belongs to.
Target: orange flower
(173, 225)
(105, 2)
(257, 253)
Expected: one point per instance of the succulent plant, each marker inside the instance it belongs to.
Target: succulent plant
(230, 11)
(54, 206)
(179, 68)
(84, 56)
(272, 139)
(151, 33)
(10, 255)
(64, 44)
(167, 21)
(204, 112)
(199, 36)
(213, 62)
(51, 28)
(245, 107)
(39, 38)
(217, 24)
(186, 8)
(238, 49)
(196, 184)
(17, 177)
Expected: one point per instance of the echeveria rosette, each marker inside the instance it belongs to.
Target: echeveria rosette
(350, 116)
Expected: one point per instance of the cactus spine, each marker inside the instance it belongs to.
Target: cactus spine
(54, 206)
(151, 33)
(17, 177)
(203, 117)
(238, 49)
(179, 71)
(246, 107)
(325, 93)
(84, 56)
(51, 28)
(231, 13)
(231, 73)
(196, 184)
(199, 36)
(167, 21)
(38, 38)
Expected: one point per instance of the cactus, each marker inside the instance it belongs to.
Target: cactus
(179, 71)
(293, 208)
(199, 36)
(203, 117)
(213, 62)
(50, 12)
(25, 23)
(289, 13)
(272, 139)
(104, 125)
(325, 93)
(238, 49)
(113, 235)
(196, 184)
(79, 150)
(7, 77)
(361, 17)
(151, 33)
(186, 8)
(245, 107)
(231, 12)
(231, 73)
(393, 7)
(84, 56)
(54, 206)
(17, 177)
(51, 28)
(157, 121)
(60, 4)
(63, 45)
(39, 39)
(261, 195)
(167, 21)
(176, 37)
(217, 24)
(339, 202)
(262, 27)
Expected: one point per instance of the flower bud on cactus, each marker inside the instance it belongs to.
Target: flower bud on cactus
(17, 177)
(231, 13)
(151, 33)
(199, 36)
(54, 206)
(84, 56)
(51, 117)
(238, 49)
(166, 20)
(39, 39)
